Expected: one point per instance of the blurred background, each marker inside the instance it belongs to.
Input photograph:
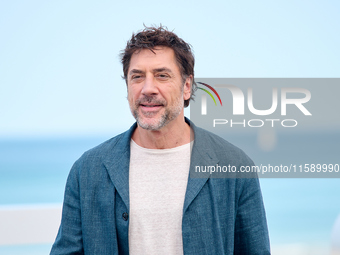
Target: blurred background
(61, 93)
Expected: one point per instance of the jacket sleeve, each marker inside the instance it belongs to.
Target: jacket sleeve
(251, 232)
(69, 239)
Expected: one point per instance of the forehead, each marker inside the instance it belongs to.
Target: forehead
(160, 57)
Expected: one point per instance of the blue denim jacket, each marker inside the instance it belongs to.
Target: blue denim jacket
(220, 215)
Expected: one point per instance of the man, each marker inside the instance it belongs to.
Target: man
(133, 194)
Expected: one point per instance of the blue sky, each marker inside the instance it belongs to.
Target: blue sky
(60, 72)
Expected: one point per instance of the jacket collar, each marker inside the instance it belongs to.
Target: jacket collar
(117, 162)
(201, 155)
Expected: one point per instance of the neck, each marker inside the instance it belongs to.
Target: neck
(174, 134)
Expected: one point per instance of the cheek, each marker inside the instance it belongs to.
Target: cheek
(130, 98)
(131, 93)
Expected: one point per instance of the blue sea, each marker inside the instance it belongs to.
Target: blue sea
(299, 210)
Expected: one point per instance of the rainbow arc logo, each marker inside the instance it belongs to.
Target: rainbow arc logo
(204, 98)
(213, 90)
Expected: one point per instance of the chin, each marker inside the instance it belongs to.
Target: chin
(152, 124)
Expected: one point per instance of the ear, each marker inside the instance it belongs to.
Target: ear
(187, 88)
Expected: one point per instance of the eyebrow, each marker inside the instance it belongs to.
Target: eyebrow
(162, 69)
(156, 70)
(135, 71)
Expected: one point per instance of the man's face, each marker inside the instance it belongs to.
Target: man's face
(156, 91)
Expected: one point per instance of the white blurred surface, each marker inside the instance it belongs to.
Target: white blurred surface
(34, 224)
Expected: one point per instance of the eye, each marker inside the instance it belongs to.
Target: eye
(136, 77)
(163, 76)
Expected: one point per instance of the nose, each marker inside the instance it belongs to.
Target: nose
(149, 86)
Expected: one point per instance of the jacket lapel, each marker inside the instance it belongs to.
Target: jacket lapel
(199, 157)
(117, 163)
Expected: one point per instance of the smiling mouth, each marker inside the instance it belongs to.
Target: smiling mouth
(150, 106)
(149, 110)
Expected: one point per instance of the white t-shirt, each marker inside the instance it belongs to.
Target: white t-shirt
(157, 185)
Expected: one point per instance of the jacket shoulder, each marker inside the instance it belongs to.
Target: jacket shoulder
(104, 147)
(112, 148)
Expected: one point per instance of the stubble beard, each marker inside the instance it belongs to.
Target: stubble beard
(170, 113)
